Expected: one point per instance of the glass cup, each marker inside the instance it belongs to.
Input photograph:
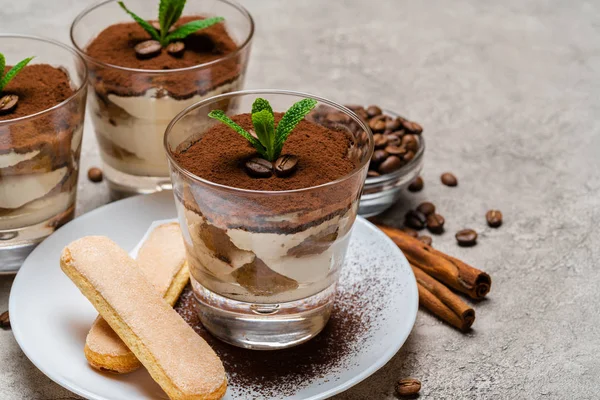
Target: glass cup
(131, 108)
(39, 154)
(264, 264)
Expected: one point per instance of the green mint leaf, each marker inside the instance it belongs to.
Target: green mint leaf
(169, 11)
(261, 104)
(13, 72)
(2, 64)
(143, 23)
(221, 116)
(187, 29)
(264, 126)
(290, 119)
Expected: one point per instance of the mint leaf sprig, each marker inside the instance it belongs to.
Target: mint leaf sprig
(269, 139)
(169, 12)
(6, 78)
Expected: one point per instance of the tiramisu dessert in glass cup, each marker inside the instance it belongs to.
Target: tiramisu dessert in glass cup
(266, 198)
(42, 106)
(149, 60)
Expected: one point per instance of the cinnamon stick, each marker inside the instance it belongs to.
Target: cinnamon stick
(442, 303)
(449, 270)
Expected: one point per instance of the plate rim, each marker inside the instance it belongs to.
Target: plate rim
(411, 314)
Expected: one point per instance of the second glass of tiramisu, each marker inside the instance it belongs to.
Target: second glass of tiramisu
(149, 60)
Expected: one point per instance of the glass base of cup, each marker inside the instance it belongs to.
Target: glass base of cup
(124, 185)
(263, 326)
(16, 244)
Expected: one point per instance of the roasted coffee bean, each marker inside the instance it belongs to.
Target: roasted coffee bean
(494, 218)
(410, 231)
(377, 125)
(285, 165)
(393, 140)
(412, 127)
(176, 49)
(425, 239)
(435, 223)
(395, 150)
(416, 185)
(408, 156)
(156, 26)
(466, 237)
(95, 175)
(448, 179)
(5, 320)
(379, 140)
(338, 117)
(8, 103)
(148, 49)
(379, 156)
(372, 174)
(259, 167)
(415, 219)
(426, 208)
(410, 142)
(393, 124)
(373, 111)
(408, 387)
(390, 164)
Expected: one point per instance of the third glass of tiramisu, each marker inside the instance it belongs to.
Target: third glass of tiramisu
(149, 60)
(266, 199)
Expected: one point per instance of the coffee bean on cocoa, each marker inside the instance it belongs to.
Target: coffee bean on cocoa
(379, 156)
(416, 185)
(408, 387)
(410, 231)
(259, 167)
(176, 49)
(426, 208)
(379, 140)
(95, 174)
(8, 103)
(435, 223)
(390, 164)
(425, 239)
(373, 111)
(494, 218)
(449, 179)
(415, 219)
(148, 49)
(466, 237)
(285, 165)
(5, 320)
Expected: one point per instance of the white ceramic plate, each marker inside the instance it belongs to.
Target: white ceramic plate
(50, 318)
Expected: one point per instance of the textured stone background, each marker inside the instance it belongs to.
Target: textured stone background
(509, 95)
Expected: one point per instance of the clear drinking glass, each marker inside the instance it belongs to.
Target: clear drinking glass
(263, 278)
(130, 114)
(39, 155)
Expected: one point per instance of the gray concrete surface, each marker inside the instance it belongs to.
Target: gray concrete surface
(509, 95)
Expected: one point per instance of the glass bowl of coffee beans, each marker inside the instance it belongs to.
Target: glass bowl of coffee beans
(396, 161)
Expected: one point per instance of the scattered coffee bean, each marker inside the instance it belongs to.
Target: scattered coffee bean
(5, 320)
(412, 127)
(259, 167)
(425, 239)
(176, 49)
(373, 111)
(466, 237)
(372, 174)
(390, 164)
(379, 156)
(410, 231)
(285, 165)
(416, 185)
(449, 179)
(95, 175)
(379, 140)
(8, 103)
(494, 218)
(415, 219)
(435, 223)
(148, 49)
(426, 208)
(408, 387)
(395, 150)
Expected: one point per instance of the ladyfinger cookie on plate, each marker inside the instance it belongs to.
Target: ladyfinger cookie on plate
(162, 260)
(179, 360)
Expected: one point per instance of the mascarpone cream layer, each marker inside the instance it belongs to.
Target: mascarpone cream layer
(37, 211)
(142, 133)
(12, 158)
(16, 191)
